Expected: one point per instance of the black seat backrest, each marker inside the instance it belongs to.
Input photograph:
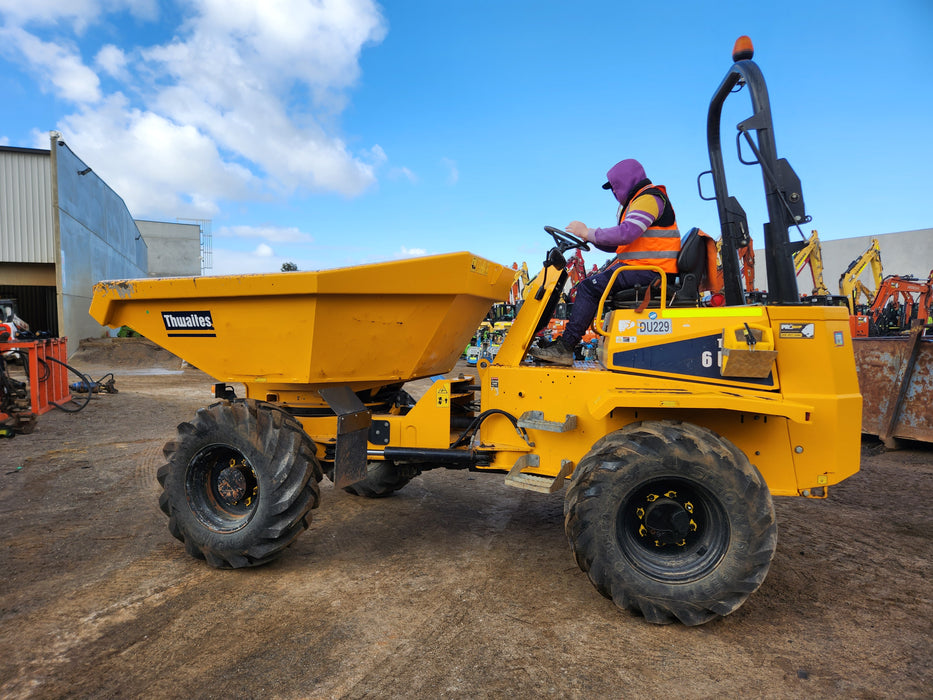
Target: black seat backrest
(692, 255)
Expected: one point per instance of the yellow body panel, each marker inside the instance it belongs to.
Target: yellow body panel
(363, 326)
(797, 421)
(767, 428)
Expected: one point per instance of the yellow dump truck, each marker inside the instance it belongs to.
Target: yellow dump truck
(670, 445)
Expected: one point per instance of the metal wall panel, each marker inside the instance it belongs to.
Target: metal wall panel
(99, 240)
(174, 248)
(26, 228)
(902, 253)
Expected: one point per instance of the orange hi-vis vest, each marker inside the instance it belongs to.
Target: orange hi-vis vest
(658, 245)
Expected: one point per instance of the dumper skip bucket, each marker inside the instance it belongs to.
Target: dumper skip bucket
(364, 326)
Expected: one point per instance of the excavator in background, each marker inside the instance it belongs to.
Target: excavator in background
(713, 281)
(901, 303)
(747, 259)
(852, 287)
(522, 280)
(491, 331)
(576, 273)
(812, 255)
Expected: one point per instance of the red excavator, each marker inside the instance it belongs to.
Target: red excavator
(900, 303)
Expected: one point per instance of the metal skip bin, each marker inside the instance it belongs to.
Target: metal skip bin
(361, 326)
(896, 379)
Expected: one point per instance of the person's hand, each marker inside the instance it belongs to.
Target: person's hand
(578, 229)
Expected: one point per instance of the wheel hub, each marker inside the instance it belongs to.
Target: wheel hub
(231, 485)
(665, 520)
(222, 488)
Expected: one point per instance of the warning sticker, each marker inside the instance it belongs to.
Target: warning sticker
(797, 330)
(443, 396)
(480, 266)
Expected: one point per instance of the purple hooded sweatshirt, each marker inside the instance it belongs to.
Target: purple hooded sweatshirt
(623, 177)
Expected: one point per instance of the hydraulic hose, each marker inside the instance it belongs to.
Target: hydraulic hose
(474, 426)
(84, 378)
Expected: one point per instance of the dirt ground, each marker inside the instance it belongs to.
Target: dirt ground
(458, 586)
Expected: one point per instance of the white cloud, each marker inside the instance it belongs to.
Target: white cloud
(262, 259)
(57, 66)
(409, 253)
(272, 50)
(157, 166)
(4, 140)
(112, 61)
(240, 104)
(275, 234)
(453, 174)
(241, 262)
(402, 173)
(79, 13)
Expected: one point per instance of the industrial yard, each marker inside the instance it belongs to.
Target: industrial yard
(457, 586)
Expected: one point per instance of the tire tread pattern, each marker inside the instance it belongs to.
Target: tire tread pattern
(290, 472)
(635, 454)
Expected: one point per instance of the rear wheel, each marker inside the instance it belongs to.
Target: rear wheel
(671, 521)
(383, 478)
(240, 481)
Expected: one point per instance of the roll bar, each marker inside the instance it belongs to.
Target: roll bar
(782, 186)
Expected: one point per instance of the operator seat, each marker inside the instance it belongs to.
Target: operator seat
(683, 288)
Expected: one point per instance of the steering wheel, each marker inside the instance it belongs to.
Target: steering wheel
(564, 240)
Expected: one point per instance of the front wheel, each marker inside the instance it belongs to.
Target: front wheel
(671, 521)
(239, 483)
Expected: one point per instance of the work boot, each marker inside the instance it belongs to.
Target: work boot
(557, 353)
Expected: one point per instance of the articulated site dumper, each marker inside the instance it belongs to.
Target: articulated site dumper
(670, 445)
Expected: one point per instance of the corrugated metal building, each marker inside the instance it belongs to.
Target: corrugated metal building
(27, 250)
(26, 206)
(63, 229)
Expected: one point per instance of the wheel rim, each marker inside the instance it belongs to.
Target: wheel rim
(222, 488)
(672, 529)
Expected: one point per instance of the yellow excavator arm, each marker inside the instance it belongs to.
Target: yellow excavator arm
(851, 287)
(812, 254)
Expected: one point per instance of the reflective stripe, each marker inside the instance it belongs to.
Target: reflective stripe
(647, 255)
(661, 233)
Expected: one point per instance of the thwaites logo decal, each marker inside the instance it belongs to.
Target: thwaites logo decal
(189, 324)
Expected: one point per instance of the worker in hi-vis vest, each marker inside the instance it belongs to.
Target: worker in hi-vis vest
(646, 234)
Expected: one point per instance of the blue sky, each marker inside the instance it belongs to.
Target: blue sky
(340, 132)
